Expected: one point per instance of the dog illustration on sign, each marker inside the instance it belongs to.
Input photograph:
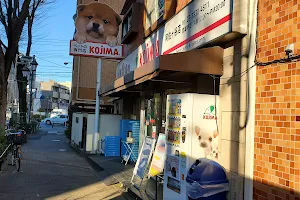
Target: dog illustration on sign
(97, 22)
(208, 141)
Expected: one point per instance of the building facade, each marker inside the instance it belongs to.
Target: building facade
(162, 60)
(252, 67)
(54, 95)
(12, 94)
(277, 115)
(36, 103)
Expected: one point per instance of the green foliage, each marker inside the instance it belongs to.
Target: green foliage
(38, 117)
(3, 144)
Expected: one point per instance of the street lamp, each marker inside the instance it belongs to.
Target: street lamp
(34, 64)
(25, 72)
(31, 73)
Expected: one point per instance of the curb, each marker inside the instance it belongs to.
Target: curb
(98, 168)
(93, 164)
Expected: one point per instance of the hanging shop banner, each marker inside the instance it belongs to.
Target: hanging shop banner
(97, 28)
(158, 160)
(144, 157)
(197, 24)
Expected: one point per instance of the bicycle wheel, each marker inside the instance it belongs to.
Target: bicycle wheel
(12, 159)
(13, 156)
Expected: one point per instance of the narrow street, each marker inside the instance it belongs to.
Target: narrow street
(52, 170)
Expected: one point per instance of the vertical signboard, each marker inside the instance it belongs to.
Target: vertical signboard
(144, 157)
(97, 28)
(158, 160)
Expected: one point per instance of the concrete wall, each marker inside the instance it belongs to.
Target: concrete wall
(76, 135)
(109, 126)
(232, 120)
(89, 132)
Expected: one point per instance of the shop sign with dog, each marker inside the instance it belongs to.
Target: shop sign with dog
(97, 28)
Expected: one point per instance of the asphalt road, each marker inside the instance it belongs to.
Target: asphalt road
(51, 170)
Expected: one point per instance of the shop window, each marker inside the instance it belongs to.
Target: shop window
(156, 13)
(127, 24)
(130, 23)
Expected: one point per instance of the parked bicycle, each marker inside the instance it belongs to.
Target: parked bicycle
(16, 156)
(16, 138)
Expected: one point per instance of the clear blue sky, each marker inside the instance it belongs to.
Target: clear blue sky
(52, 35)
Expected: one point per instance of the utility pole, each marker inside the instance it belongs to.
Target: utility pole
(97, 109)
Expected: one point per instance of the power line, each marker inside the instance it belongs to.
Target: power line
(43, 66)
(50, 62)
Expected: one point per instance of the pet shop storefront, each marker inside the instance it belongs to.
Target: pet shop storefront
(170, 62)
(163, 76)
(176, 69)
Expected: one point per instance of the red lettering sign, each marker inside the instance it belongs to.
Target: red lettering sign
(157, 48)
(92, 50)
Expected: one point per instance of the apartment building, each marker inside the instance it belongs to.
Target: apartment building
(54, 95)
(85, 71)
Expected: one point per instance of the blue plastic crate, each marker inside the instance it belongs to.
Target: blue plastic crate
(112, 146)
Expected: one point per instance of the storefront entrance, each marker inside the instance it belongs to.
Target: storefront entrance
(153, 115)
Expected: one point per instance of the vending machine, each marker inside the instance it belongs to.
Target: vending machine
(191, 133)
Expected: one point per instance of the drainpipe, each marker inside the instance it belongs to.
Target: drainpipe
(250, 127)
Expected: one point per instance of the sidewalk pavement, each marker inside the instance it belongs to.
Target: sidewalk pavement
(51, 170)
(111, 171)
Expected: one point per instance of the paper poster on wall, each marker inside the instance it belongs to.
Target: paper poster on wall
(97, 28)
(172, 166)
(144, 157)
(173, 184)
(158, 160)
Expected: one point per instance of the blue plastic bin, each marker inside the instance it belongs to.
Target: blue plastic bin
(206, 180)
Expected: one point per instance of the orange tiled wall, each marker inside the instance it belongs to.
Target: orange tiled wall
(277, 124)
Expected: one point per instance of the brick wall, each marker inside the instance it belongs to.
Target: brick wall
(277, 125)
(181, 4)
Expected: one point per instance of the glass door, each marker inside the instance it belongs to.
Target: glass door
(153, 116)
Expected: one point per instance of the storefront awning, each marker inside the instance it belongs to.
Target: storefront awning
(172, 70)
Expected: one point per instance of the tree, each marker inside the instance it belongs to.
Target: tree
(32, 16)
(22, 81)
(13, 14)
